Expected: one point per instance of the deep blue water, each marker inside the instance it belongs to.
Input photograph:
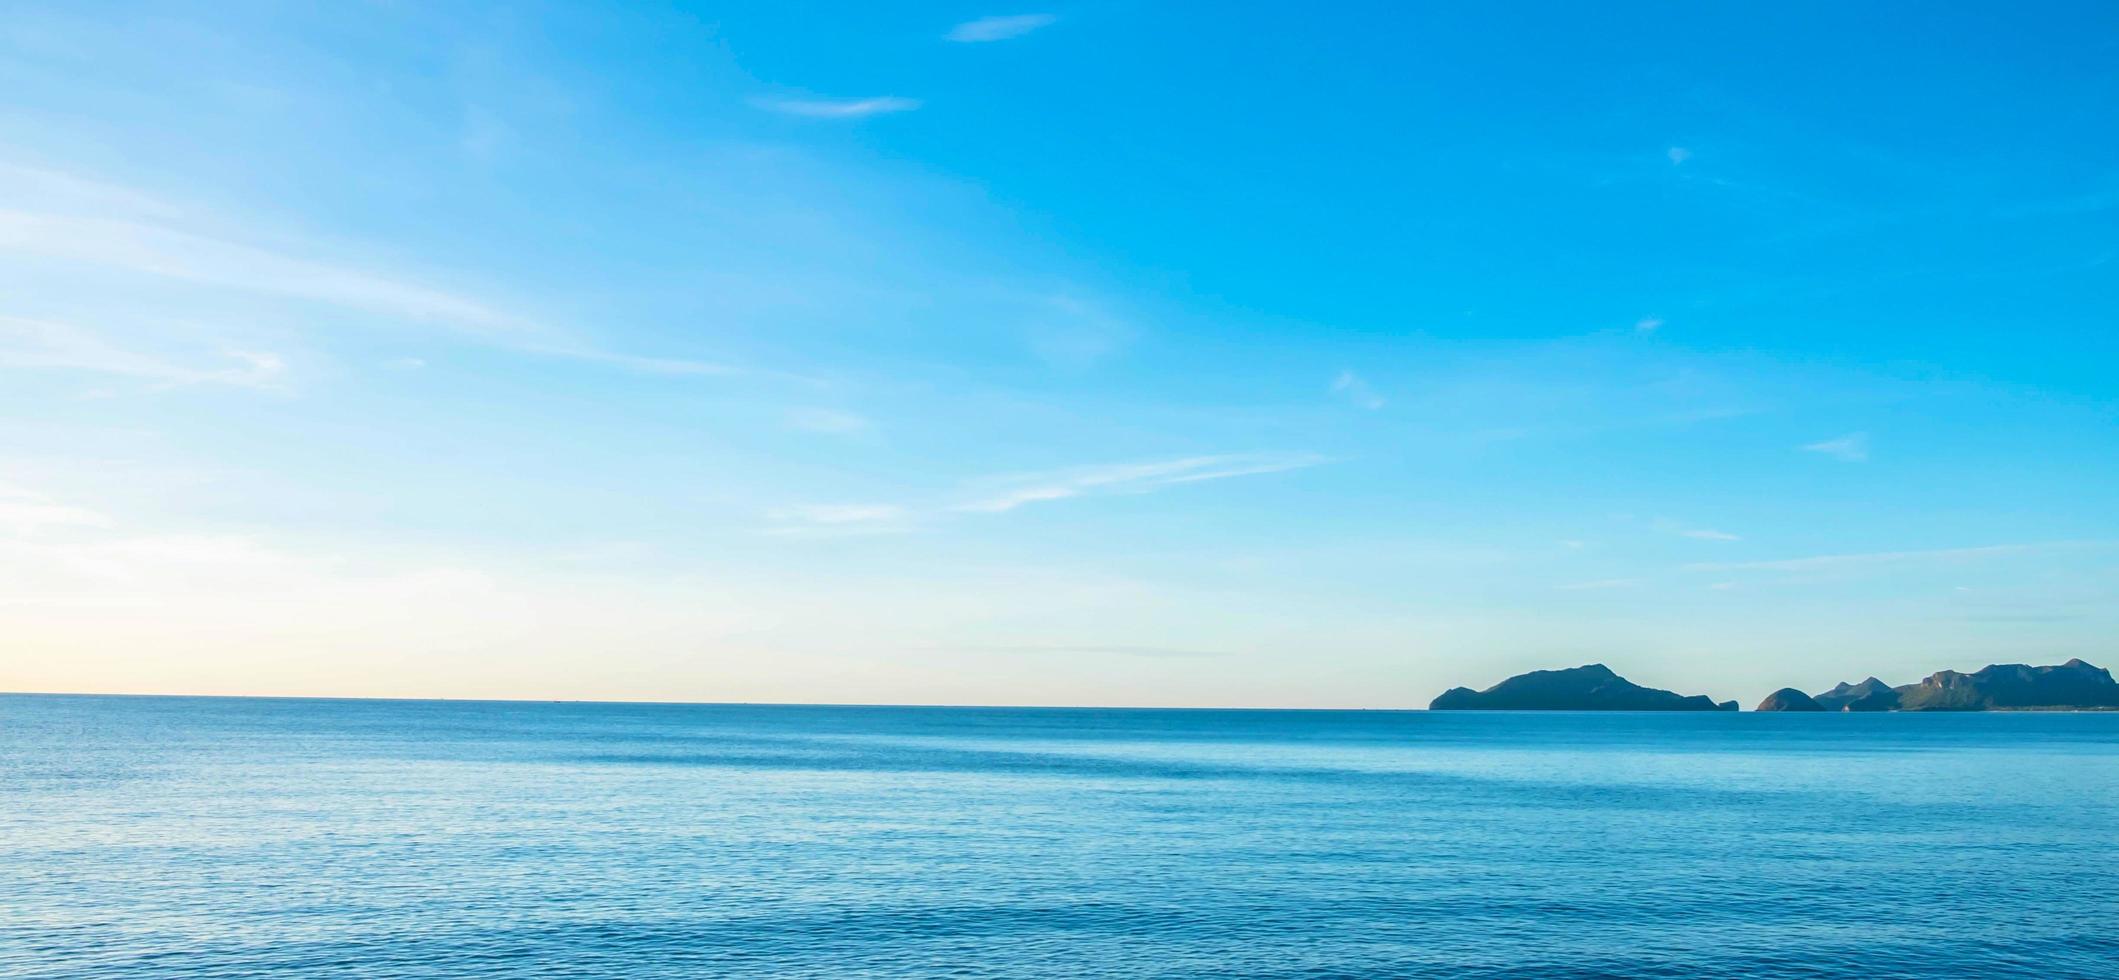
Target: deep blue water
(201, 838)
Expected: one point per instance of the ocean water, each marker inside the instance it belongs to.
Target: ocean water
(210, 838)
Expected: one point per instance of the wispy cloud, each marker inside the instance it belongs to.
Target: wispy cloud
(1002, 494)
(2024, 617)
(1648, 324)
(835, 520)
(168, 253)
(838, 108)
(24, 512)
(1677, 155)
(1066, 332)
(827, 421)
(1683, 530)
(1090, 649)
(60, 346)
(1351, 387)
(56, 190)
(844, 513)
(257, 367)
(1131, 478)
(136, 234)
(1874, 558)
(1851, 448)
(1599, 585)
(672, 366)
(998, 28)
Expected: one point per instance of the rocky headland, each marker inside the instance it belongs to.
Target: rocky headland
(1592, 687)
(2072, 686)
(1789, 699)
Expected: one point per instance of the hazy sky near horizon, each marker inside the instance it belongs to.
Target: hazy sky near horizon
(1090, 354)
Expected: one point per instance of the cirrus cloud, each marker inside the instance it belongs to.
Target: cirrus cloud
(998, 28)
(839, 108)
(1850, 448)
(1127, 478)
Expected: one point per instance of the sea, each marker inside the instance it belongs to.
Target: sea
(166, 837)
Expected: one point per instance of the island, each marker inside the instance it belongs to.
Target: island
(1869, 695)
(1592, 687)
(1789, 699)
(2072, 686)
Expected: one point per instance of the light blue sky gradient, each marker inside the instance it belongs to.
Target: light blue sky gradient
(1111, 353)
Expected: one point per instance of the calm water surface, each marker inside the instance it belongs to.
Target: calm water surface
(208, 838)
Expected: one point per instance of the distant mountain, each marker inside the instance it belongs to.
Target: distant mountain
(1589, 688)
(1872, 695)
(1874, 701)
(2074, 685)
(1789, 699)
(1997, 687)
(2004, 687)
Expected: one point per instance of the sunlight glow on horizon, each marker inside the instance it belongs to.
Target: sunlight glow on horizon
(912, 357)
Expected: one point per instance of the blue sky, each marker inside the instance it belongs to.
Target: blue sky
(1083, 354)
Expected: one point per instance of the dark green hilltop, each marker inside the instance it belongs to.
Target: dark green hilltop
(1588, 688)
(1869, 695)
(1790, 699)
(2072, 686)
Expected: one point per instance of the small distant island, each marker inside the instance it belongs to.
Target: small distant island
(1790, 699)
(2072, 686)
(1592, 687)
